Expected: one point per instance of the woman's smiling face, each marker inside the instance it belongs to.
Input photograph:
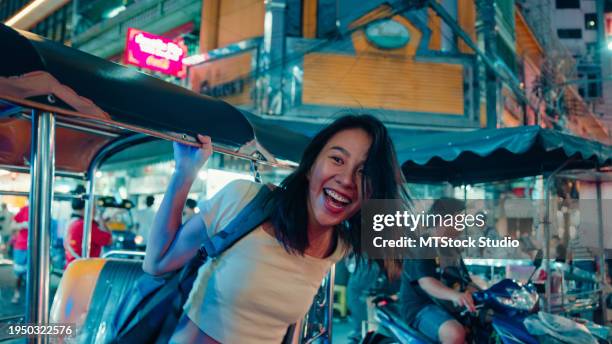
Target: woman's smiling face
(335, 179)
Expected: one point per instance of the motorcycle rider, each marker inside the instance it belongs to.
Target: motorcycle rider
(422, 283)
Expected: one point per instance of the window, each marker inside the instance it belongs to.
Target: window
(590, 87)
(581, 85)
(590, 21)
(326, 18)
(561, 4)
(594, 86)
(569, 33)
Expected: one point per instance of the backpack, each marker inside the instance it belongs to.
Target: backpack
(150, 312)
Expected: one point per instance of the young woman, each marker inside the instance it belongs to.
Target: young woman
(267, 280)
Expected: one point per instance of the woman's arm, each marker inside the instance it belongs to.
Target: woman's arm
(171, 245)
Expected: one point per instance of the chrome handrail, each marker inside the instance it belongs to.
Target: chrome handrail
(123, 253)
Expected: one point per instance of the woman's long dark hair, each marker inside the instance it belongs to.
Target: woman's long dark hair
(382, 179)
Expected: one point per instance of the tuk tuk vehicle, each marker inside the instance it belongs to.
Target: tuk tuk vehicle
(119, 221)
(64, 113)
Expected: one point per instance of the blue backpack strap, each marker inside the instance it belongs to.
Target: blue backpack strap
(171, 294)
(249, 218)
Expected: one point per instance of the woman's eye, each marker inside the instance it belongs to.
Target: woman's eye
(336, 159)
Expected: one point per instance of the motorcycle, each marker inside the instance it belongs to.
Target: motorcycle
(502, 311)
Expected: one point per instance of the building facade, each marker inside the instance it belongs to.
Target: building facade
(447, 65)
(307, 60)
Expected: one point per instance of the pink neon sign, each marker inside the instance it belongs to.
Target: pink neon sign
(154, 52)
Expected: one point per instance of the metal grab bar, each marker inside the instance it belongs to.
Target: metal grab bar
(109, 254)
(56, 196)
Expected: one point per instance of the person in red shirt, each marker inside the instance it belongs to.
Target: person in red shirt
(73, 242)
(21, 225)
(20, 249)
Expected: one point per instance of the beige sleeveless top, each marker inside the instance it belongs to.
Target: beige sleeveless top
(254, 290)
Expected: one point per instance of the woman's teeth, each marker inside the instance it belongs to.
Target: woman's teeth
(336, 196)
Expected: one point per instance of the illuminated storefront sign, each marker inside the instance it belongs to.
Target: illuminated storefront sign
(223, 90)
(156, 53)
(227, 78)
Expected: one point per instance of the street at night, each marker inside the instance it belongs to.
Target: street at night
(306, 171)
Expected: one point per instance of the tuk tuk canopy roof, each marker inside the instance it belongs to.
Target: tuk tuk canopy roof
(112, 101)
(87, 86)
(487, 155)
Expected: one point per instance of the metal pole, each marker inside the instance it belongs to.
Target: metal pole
(56, 196)
(449, 40)
(602, 253)
(274, 52)
(89, 214)
(549, 180)
(24, 169)
(80, 128)
(485, 10)
(91, 174)
(331, 276)
(547, 244)
(41, 195)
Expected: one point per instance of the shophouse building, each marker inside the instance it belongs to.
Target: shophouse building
(430, 66)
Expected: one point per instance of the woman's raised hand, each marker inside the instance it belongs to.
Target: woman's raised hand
(190, 159)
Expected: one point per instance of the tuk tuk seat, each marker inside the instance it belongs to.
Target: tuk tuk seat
(89, 294)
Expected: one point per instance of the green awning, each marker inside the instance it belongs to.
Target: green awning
(497, 154)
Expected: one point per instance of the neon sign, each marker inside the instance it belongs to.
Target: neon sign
(156, 53)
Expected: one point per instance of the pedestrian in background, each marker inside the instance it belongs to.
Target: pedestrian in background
(19, 241)
(73, 243)
(5, 230)
(361, 284)
(5, 220)
(189, 210)
(144, 218)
